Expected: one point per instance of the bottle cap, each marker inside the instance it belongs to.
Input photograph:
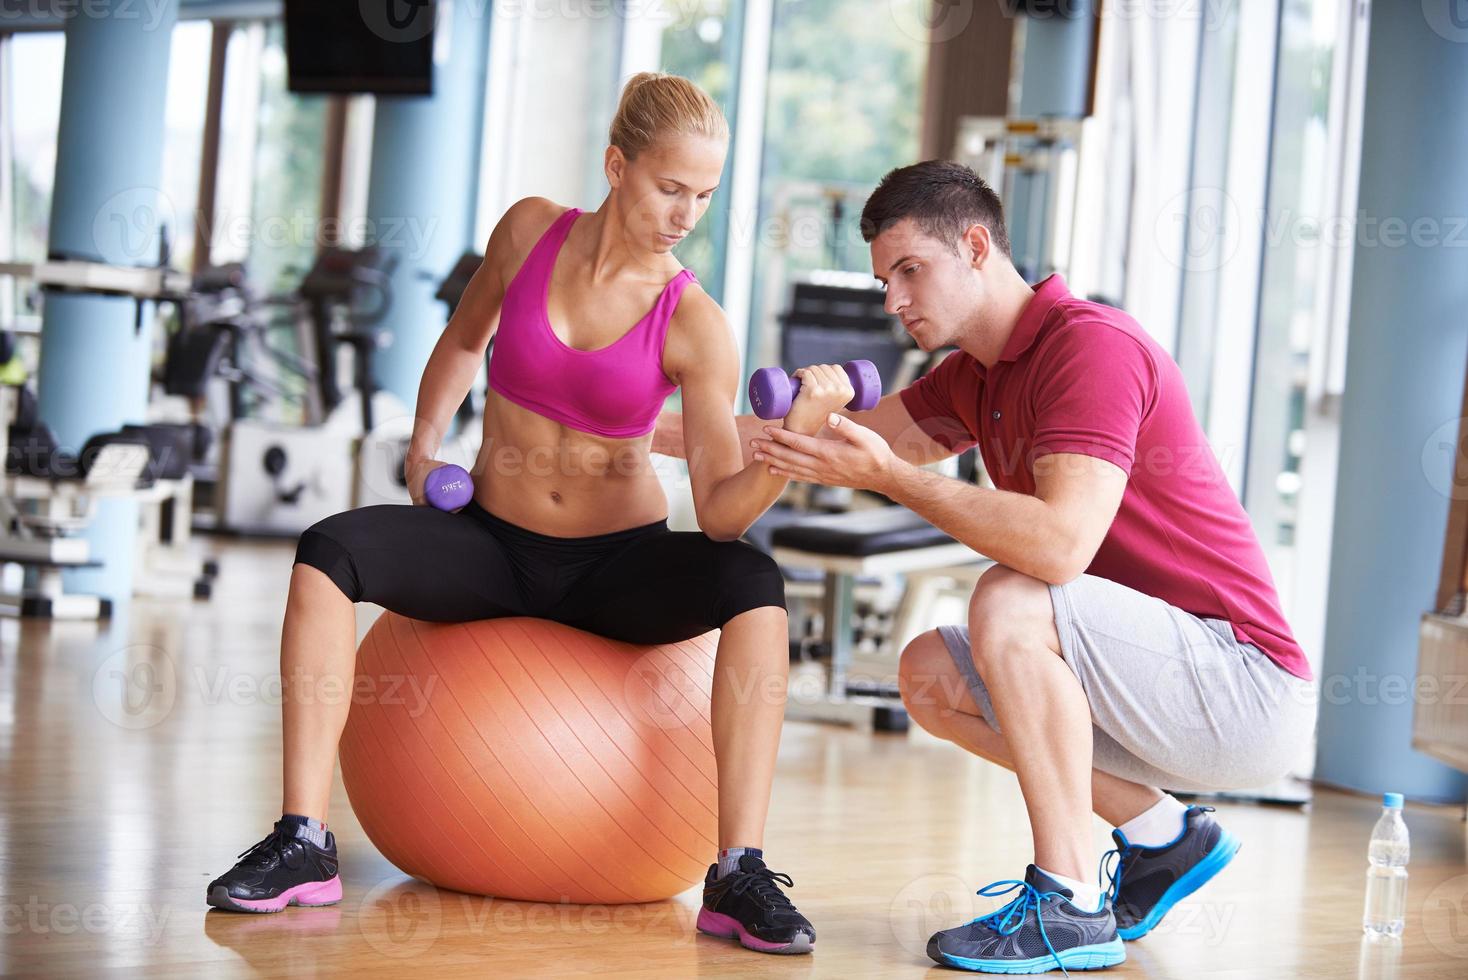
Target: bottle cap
(1391, 800)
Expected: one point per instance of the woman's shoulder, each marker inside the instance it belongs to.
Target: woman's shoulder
(517, 231)
(699, 334)
(529, 218)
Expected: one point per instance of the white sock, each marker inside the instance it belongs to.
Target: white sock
(1087, 898)
(1156, 826)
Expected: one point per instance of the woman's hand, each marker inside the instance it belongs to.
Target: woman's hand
(824, 388)
(415, 472)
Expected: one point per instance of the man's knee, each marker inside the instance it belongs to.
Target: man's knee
(1008, 612)
(920, 672)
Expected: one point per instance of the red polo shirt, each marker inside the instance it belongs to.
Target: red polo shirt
(1081, 377)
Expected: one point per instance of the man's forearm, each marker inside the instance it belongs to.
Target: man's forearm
(1014, 529)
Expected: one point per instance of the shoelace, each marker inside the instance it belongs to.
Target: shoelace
(1110, 878)
(260, 853)
(1112, 887)
(1007, 920)
(762, 884)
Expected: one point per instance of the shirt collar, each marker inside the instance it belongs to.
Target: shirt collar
(1047, 294)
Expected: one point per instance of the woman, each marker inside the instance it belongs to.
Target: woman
(568, 521)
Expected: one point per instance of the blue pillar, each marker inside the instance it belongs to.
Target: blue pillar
(105, 206)
(421, 194)
(1055, 74)
(1404, 379)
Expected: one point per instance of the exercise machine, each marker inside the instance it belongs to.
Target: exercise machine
(276, 477)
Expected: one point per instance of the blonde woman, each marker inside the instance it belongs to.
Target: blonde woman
(595, 323)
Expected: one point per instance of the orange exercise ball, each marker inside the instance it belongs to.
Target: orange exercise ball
(529, 760)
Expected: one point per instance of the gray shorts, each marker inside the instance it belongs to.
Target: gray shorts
(1176, 701)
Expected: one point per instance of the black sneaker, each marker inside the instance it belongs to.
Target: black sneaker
(1149, 881)
(281, 870)
(747, 904)
(1038, 931)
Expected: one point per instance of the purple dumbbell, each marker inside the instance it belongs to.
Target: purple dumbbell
(448, 487)
(771, 390)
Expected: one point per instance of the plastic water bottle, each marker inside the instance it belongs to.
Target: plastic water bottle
(1386, 879)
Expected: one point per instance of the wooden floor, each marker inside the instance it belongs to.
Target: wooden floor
(137, 760)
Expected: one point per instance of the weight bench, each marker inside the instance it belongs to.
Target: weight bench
(862, 543)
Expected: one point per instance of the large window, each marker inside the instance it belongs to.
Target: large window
(844, 107)
(551, 90)
(31, 113)
(183, 134)
(702, 42)
(1292, 266)
(286, 197)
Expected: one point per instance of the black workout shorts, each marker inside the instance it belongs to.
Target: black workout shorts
(643, 585)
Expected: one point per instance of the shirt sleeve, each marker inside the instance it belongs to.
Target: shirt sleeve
(933, 401)
(1095, 388)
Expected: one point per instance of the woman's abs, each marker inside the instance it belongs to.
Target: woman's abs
(552, 479)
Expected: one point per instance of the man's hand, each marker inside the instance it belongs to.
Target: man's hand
(667, 437)
(824, 388)
(857, 457)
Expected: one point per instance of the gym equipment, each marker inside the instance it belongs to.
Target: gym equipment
(528, 760)
(448, 487)
(49, 496)
(771, 390)
(879, 541)
(1034, 166)
(277, 478)
(380, 475)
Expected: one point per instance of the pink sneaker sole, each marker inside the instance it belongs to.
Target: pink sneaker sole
(327, 892)
(723, 927)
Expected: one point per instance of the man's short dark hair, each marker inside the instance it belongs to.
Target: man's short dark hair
(944, 198)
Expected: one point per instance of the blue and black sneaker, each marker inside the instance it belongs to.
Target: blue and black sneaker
(1040, 930)
(1149, 881)
(747, 904)
(283, 869)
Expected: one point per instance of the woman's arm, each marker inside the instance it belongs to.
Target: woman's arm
(460, 349)
(730, 491)
(889, 418)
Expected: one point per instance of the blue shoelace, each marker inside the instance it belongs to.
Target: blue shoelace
(1007, 921)
(1109, 878)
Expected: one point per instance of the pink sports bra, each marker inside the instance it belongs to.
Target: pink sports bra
(615, 391)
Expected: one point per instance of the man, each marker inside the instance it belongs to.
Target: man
(1129, 636)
